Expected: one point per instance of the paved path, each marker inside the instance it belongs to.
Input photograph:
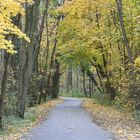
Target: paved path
(68, 121)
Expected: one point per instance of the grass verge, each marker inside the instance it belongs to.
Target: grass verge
(15, 127)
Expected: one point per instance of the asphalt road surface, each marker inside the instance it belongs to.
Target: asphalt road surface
(68, 121)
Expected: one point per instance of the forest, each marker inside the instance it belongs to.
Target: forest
(80, 46)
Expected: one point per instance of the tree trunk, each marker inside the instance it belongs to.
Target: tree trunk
(125, 38)
(84, 82)
(45, 69)
(90, 74)
(90, 88)
(55, 80)
(51, 63)
(27, 55)
(69, 79)
(3, 88)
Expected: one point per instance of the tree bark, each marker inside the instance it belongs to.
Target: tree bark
(27, 55)
(125, 38)
(55, 80)
(3, 88)
(48, 86)
(84, 82)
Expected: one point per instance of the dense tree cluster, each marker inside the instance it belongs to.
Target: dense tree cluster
(103, 38)
(40, 39)
(29, 70)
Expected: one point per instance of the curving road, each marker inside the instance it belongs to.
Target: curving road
(68, 121)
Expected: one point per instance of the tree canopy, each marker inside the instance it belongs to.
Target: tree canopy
(50, 46)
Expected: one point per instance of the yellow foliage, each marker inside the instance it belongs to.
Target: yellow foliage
(8, 9)
(79, 28)
(137, 62)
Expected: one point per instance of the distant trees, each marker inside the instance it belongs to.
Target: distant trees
(102, 36)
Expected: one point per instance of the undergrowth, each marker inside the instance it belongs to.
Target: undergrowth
(14, 127)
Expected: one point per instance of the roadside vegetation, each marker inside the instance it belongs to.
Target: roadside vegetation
(121, 123)
(15, 127)
(69, 47)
